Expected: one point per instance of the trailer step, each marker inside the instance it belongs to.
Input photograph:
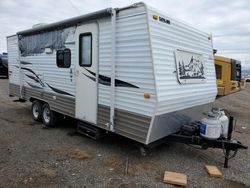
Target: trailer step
(88, 130)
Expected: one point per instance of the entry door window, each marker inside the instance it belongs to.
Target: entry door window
(85, 42)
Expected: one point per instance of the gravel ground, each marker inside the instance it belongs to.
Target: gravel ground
(31, 156)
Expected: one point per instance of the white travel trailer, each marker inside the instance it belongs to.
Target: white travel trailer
(133, 71)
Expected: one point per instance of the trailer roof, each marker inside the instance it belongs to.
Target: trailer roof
(68, 22)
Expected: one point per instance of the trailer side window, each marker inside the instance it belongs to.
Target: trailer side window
(85, 50)
(63, 58)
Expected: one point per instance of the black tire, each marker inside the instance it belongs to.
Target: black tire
(48, 116)
(36, 110)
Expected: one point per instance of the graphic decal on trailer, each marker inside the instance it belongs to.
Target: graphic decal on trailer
(190, 67)
(42, 85)
(58, 90)
(36, 76)
(104, 80)
(32, 77)
(34, 86)
(25, 63)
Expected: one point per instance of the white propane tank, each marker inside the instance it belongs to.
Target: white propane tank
(210, 127)
(224, 123)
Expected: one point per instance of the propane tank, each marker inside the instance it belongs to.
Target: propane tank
(224, 123)
(210, 127)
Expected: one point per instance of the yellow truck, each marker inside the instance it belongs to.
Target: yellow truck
(228, 75)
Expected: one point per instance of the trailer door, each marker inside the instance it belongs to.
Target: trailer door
(86, 71)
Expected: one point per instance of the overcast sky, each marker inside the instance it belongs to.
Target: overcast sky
(227, 20)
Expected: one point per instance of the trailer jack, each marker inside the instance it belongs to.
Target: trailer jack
(227, 145)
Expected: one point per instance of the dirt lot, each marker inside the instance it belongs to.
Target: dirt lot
(31, 156)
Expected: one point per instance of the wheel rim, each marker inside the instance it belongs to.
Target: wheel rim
(35, 111)
(46, 115)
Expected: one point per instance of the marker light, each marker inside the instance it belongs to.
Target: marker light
(147, 96)
(155, 17)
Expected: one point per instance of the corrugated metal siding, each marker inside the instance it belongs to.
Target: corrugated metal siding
(166, 38)
(168, 123)
(44, 65)
(14, 89)
(59, 103)
(131, 125)
(12, 47)
(133, 61)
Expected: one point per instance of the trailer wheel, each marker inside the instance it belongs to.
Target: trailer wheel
(48, 116)
(36, 109)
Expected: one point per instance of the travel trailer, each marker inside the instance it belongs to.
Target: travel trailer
(133, 71)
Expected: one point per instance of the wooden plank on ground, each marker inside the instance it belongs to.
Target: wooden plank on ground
(213, 171)
(175, 178)
(221, 91)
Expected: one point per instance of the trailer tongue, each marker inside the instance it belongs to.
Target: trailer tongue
(226, 144)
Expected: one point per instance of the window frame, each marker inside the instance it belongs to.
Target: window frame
(80, 49)
(63, 51)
